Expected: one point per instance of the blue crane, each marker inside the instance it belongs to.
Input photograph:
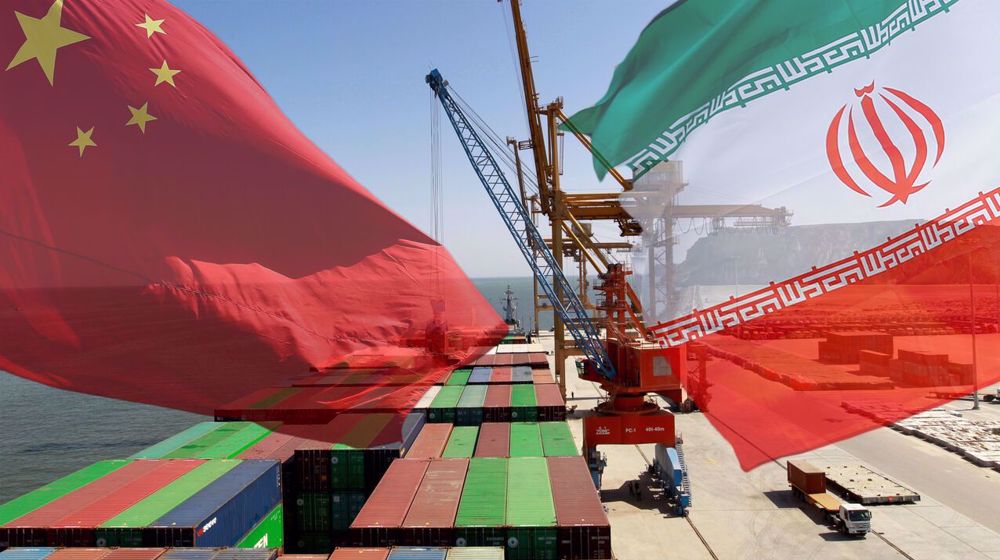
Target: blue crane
(515, 216)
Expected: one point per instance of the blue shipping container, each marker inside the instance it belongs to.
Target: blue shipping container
(224, 511)
(415, 553)
(521, 374)
(26, 553)
(480, 375)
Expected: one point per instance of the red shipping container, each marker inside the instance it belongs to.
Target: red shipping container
(542, 375)
(163, 473)
(360, 554)
(431, 442)
(135, 553)
(379, 520)
(80, 554)
(268, 447)
(584, 530)
(47, 515)
(494, 440)
(501, 374)
(431, 518)
(497, 396)
(548, 394)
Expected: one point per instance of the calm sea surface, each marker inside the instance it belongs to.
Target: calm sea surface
(46, 433)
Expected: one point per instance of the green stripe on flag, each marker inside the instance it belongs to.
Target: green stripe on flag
(699, 58)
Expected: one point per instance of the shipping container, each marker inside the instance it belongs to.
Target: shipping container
(462, 442)
(28, 553)
(501, 374)
(51, 492)
(494, 440)
(443, 407)
(459, 377)
(522, 403)
(83, 553)
(431, 517)
(557, 440)
(246, 554)
(417, 553)
(469, 410)
(269, 533)
(304, 557)
(347, 458)
(521, 374)
(135, 554)
(424, 403)
(541, 376)
(550, 403)
(480, 375)
(273, 447)
(379, 521)
(158, 450)
(126, 528)
(530, 513)
(225, 442)
(481, 510)
(360, 554)
(73, 519)
(583, 530)
(475, 553)
(496, 406)
(345, 506)
(807, 478)
(431, 442)
(525, 440)
(222, 512)
(188, 554)
(313, 512)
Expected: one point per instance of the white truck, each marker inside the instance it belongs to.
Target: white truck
(809, 485)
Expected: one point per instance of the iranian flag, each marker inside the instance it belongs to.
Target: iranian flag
(859, 137)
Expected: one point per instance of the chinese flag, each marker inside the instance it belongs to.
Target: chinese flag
(167, 236)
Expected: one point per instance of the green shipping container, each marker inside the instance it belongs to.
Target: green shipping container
(269, 533)
(459, 377)
(172, 443)
(557, 440)
(530, 512)
(345, 506)
(313, 512)
(31, 501)
(225, 442)
(469, 411)
(525, 440)
(443, 406)
(462, 442)
(481, 509)
(125, 529)
(347, 467)
(523, 403)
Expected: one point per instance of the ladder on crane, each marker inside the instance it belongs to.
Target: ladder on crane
(542, 262)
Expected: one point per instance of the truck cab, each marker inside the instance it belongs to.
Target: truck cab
(853, 519)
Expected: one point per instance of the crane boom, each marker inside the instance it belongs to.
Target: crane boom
(515, 216)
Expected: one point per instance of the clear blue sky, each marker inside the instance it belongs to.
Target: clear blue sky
(350, 74)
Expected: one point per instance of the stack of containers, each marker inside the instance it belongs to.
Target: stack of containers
(496, 407)
(480, 518)
(380, 522)
(333, 482)
(583, 530)
(430, 518)
(147, 502)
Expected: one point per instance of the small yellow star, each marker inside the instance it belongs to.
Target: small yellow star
(43, 38)
(151, 26)
(140, 117)
(83, 140)
(164, 74)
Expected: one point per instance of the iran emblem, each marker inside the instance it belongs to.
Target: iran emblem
(906, 131)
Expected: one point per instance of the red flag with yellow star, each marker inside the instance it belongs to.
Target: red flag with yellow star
(167, 235)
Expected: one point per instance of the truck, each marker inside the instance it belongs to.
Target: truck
(808, 484)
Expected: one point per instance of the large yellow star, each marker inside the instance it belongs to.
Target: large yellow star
(140, 117)
(42, 38)
(164, 74)
(83, 140)
(151, 26)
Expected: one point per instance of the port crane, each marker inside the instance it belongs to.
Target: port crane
(626, 365)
